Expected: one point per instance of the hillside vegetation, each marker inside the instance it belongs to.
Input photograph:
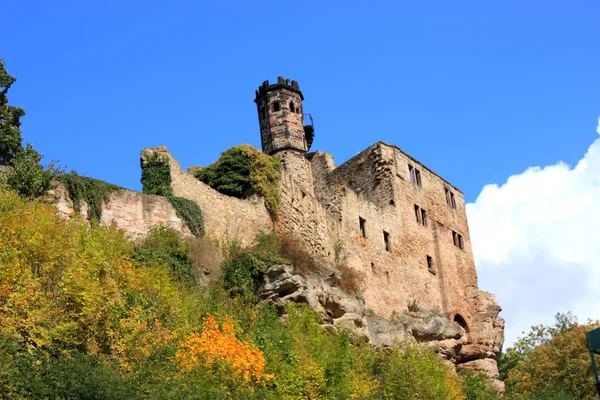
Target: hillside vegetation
(86, 314)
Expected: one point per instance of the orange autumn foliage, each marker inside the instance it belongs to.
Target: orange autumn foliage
(216, 344)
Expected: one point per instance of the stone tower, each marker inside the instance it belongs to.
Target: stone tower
(282, 124)
(286, 132)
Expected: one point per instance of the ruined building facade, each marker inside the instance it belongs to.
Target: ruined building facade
(382, 213)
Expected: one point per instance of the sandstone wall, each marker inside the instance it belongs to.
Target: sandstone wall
(226, 218)
(133, 212)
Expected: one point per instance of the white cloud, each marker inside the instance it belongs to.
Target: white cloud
(536, 242)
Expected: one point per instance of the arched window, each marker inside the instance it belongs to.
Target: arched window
(461, 321)
(292, 109)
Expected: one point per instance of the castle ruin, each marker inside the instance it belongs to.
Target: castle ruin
(382, 213)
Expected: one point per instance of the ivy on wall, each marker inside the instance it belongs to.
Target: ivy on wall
(190, 213)
(243, 171)
(156, 179)
(156, 175)
(93, 191)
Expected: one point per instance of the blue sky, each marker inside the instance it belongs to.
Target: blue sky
(478, 91)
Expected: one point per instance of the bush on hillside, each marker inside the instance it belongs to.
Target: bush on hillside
(163, 245)
(243, 171)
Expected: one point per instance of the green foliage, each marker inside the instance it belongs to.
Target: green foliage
(414, 306)
(550, 362)
(27, 176)
(93, 191)
(85, 314)
(156, 179)
(156, 175)
(190, 213)
(243, 274)
(10, 120)
(412, 372)
(162, 245)
(476, 387)
(243, 171)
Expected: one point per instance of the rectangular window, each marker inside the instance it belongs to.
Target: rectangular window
(421, 215)
(430, 265)
(450, 198)
(362, 223)
(386, 239)
(414, 175)
(457, 239)
(276, 106)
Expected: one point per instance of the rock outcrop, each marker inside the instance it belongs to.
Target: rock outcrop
(475, 349)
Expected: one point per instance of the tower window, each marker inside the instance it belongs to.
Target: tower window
(276, 106)
(450, 198)
(414, 175)
(421, 215)
(458, 240)
(430, 264)
(386, 240)
(292, 109)
(362, 224)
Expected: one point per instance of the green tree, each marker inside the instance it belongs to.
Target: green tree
(10, 120)
(27, 175)
(551, 362)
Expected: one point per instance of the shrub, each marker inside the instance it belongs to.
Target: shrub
(243, 274)
(475, 386)
(162, 244)
(206, 257)
(219, 344)
(27, 176)
(93, 191)
(294, 251)
(156, 175)
(243, 171)
(413, 372)
(414, 306)
(351, 280)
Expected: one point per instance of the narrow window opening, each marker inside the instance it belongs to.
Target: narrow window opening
(411, 173)
(450, 198)
(430, 265)
(457, 239)
(418, 177)
(292, 109)
(362, 222)
(386, 240)
(276, 106)
(373, 266)
(421, 215)
(303, 194)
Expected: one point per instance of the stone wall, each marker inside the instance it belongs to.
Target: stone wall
(226, 218)
(133, 212)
